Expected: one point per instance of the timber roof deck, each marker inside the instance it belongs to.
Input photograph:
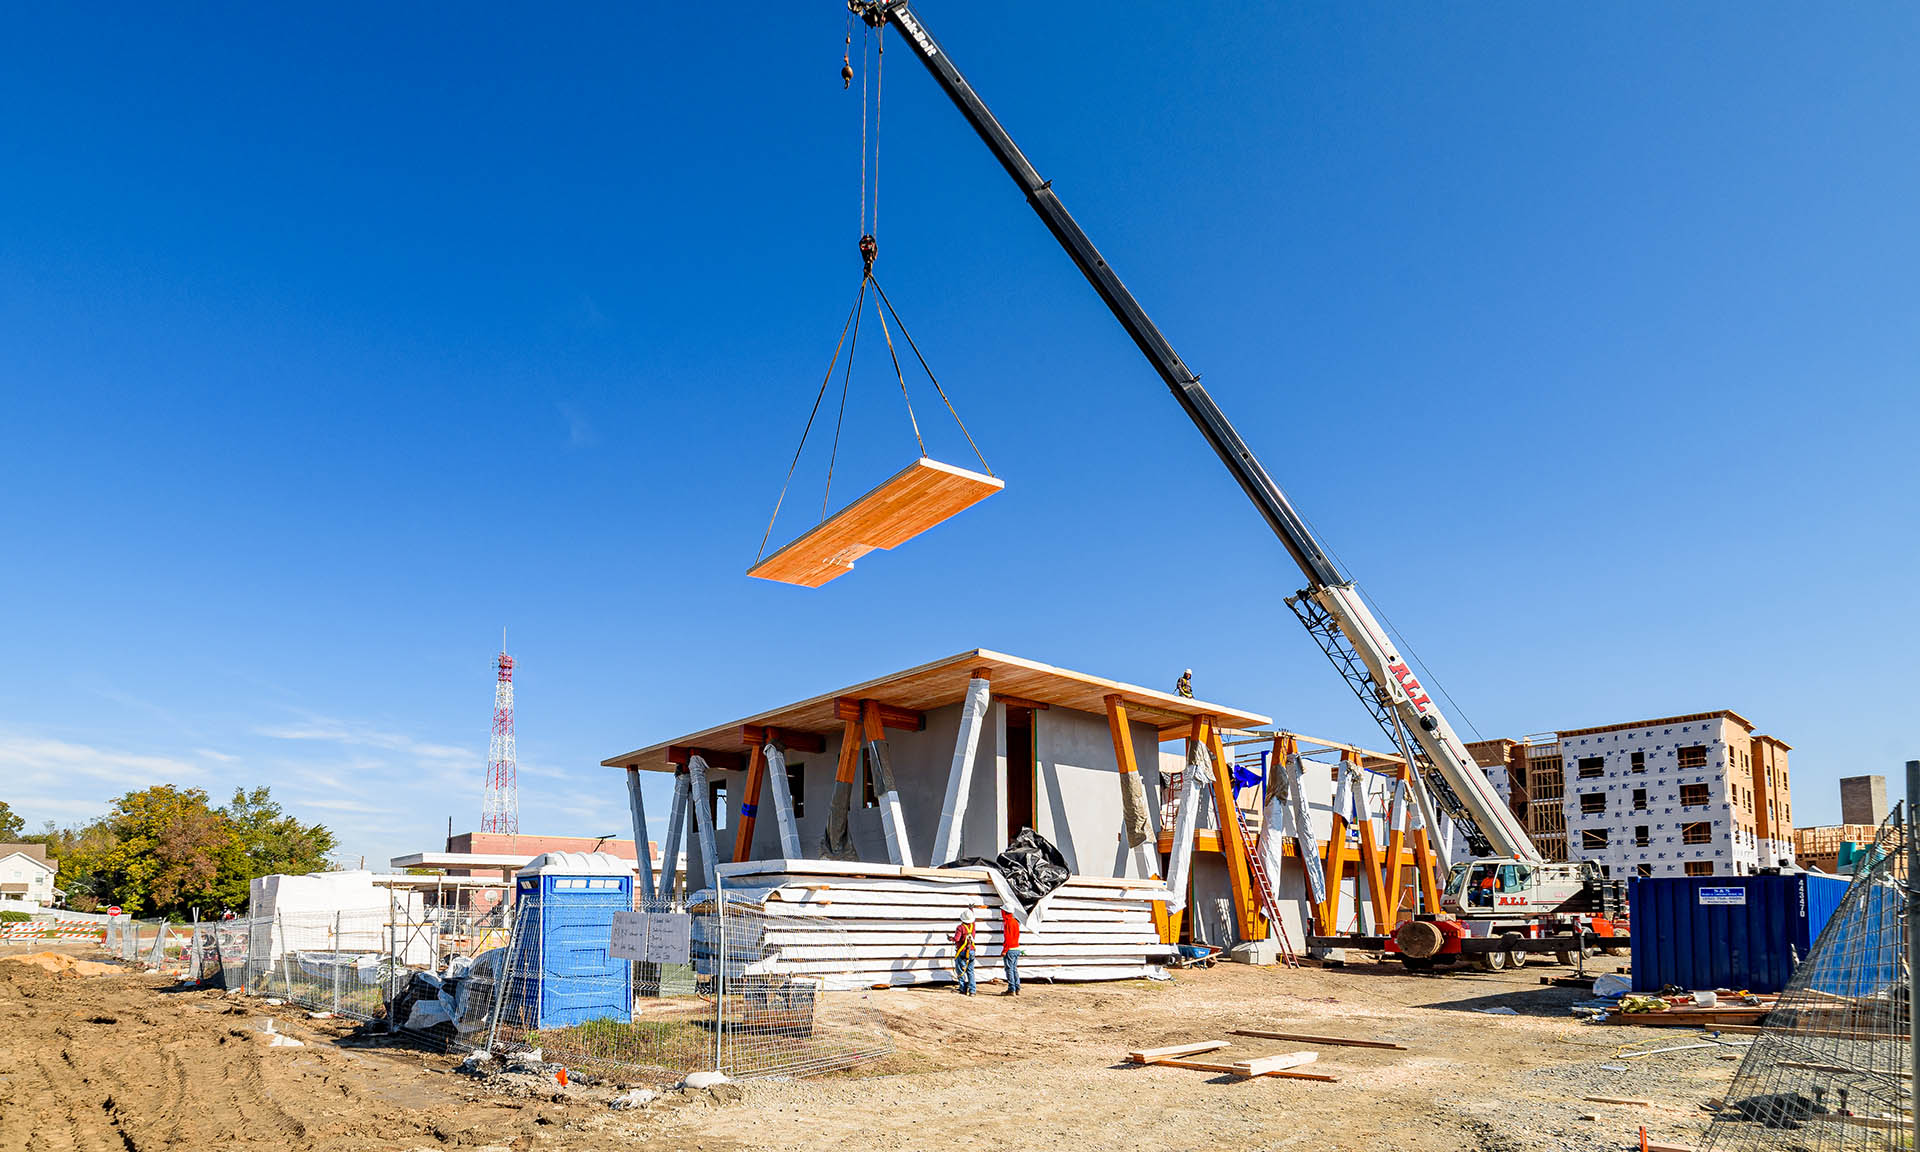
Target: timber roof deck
(944, 682)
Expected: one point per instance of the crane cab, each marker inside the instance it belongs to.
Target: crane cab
(1501, 886)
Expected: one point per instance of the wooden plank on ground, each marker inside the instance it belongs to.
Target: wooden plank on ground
(1618, 1100)
(1227, 1070)
(1148, 1055)
(1261, 1065)
(913, 500)
(1304, 1038)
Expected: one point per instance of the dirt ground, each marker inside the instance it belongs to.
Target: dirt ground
(126, 1062)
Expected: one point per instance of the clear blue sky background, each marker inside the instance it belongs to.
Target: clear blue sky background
(331, 342)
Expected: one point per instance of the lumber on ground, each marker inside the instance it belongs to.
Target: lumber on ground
(1261, 1065)
(1148, 1055)
(1304, 1038)
(1228, 1070)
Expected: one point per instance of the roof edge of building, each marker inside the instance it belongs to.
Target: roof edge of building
(1722, 714)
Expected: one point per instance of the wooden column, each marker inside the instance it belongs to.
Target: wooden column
(1233, 839)
(676, 828)
(643, 856)
(1370, 862)
(966, 744)
(842, 803)
(1396, 852)
(1147, 852)
(893, 823)
(750, 803)
(1334, 867)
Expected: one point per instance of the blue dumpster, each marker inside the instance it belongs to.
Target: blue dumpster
(1736, 932)
(562, 972)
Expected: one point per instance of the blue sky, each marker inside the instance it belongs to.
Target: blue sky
(331, 342)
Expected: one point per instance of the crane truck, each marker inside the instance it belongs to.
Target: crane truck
(1507, 900)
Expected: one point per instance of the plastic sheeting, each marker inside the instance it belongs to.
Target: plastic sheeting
(1031, 866)
(1138, 823)
(973, 716)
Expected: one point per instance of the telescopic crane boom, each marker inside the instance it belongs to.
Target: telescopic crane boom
(1330, 606)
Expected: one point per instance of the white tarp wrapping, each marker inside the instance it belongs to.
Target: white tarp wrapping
(676, 828)
(1300, 826)
(702, 814)
(1180, 862)
(782, 801)
(953, 810)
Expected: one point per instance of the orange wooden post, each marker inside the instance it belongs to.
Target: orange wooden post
(1233, 838)
(1370, 864)
(1334, 866)
(1428, 871)
(1396, 851)
(750, 802)
(1123, 756)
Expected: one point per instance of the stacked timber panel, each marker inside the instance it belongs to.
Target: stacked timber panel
(859, 925)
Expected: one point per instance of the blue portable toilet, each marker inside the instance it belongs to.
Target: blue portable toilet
(563, 973)
(1738, 932)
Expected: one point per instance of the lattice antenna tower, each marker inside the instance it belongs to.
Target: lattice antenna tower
(500, 811)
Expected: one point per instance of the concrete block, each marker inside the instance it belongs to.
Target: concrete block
(1265, 952)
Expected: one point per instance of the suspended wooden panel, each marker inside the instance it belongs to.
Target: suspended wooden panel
(920, 496)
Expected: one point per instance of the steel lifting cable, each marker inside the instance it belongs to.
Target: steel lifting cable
(845, 379)
(805, 432)
(924, 367)
(898, 375)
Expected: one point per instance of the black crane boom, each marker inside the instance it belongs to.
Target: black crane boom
(1181, 380)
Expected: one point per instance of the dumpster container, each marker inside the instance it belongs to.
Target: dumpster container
(1737, 932)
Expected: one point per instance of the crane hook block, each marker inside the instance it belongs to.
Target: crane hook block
(869, 248)
(846, 75)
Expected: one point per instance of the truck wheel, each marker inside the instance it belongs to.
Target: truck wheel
(1516, 959)
(1564, 958)
(1492, 961)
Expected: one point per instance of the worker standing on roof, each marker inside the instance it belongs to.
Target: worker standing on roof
(963, 940)
(1185, 687)
(1010, 951)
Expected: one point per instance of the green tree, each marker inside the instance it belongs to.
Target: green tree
(169, 851)
(268, 841)
(10, 824)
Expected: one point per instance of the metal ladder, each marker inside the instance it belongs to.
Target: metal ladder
(1270, 903)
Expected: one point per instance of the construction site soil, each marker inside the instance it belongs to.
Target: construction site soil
(130, 1063)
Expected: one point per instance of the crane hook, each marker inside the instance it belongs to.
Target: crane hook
(869, 248)
(846, 74)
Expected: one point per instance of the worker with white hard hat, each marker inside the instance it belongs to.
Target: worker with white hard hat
(964, 935)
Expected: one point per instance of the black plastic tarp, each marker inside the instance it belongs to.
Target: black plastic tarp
(1031, 865)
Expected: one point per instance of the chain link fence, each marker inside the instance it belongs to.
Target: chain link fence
(541, 979)
(1832, 1068)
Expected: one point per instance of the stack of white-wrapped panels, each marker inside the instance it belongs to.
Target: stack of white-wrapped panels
(860, 925)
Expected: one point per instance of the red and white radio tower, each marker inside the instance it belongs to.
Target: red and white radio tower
(501, 810)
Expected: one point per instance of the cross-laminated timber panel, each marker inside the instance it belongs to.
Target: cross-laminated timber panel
(916, 498)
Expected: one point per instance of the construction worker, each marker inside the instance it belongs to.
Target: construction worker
(1185, 687)
(1010, 951)
(963, 940)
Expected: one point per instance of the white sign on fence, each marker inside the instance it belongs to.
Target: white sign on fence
(629, 936)
(669, 937)
(653, 937)
(1723, 895)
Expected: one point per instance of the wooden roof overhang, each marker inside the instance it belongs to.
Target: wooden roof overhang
(929, 686)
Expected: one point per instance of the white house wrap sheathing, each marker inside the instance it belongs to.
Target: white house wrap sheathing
(855, 926)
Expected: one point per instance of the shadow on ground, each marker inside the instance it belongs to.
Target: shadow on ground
(1537, 1001)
